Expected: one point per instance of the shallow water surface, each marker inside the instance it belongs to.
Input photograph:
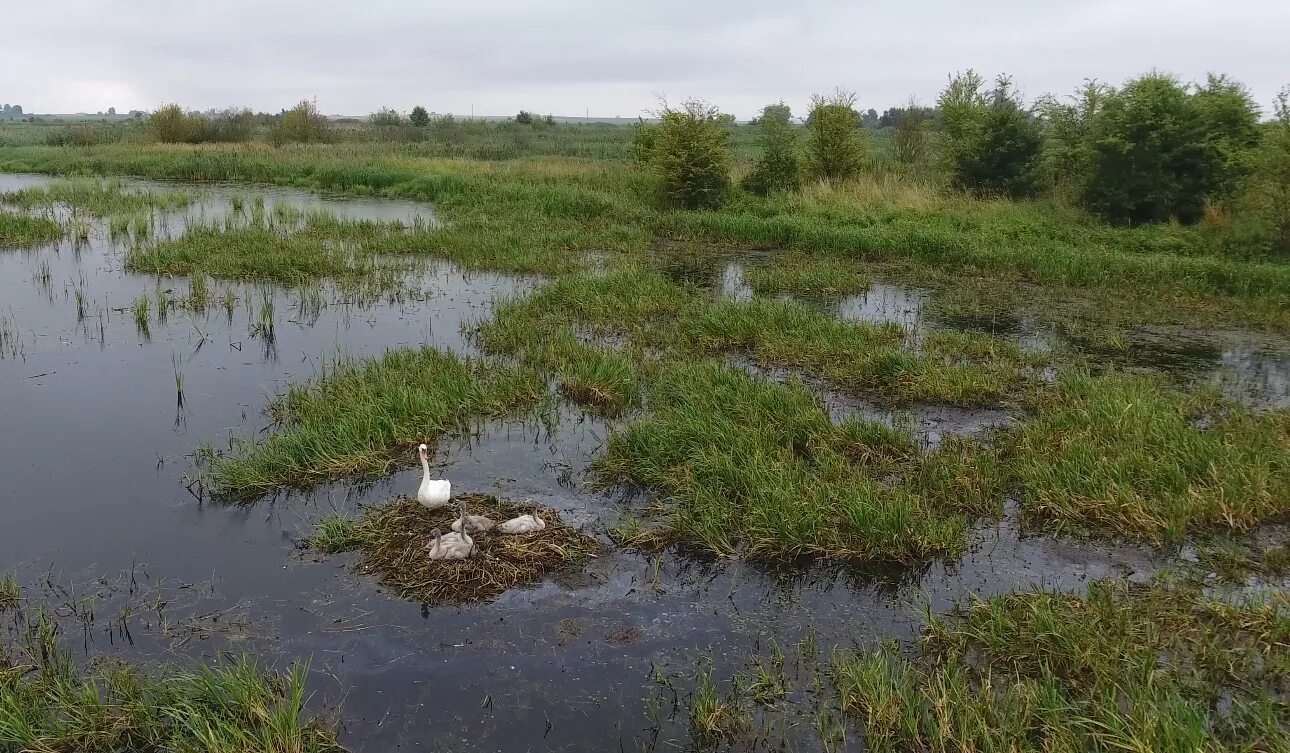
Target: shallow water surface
(96, 459)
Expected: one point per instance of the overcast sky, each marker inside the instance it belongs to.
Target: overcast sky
(612, 58)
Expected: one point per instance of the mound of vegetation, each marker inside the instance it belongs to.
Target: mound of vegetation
(391, 540)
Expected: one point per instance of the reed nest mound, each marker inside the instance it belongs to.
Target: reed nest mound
(391, 540)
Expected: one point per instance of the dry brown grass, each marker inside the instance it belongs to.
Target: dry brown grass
(391, 540)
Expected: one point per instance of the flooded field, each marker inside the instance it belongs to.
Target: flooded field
(103, 416)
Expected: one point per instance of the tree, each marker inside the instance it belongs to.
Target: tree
(1160, 151)
(1066, 162)
(869, 119)
(910, 142)
(778, 168)
(170, 124)
(991, 142)
(1265, 198)
(524, 117)
(691, 156)
(834, 147)
(419, 118)
(302, 124)
(386, 118)
(1231, 122)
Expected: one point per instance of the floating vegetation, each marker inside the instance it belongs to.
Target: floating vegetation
(391, 540)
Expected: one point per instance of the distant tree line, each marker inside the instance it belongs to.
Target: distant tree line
(10, 111)
(1152, 150)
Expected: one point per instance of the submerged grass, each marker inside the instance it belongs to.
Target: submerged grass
(753, 467)
(808, 277)
(25, 231)
(363, 418)
(1154, 668)
(391, 541)
(1129, 455)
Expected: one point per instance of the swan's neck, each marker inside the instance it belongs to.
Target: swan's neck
(425, 469)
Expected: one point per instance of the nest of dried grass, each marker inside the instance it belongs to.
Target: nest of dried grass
(391, 540)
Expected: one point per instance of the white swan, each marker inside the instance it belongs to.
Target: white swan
(454, 546)
(523, 524)
(433, 493)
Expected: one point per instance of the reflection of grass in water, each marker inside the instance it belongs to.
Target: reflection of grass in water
(49, 703)
(1129, 455)
(1159, 667)
(22, 231)
(391, 540)
(362, 418)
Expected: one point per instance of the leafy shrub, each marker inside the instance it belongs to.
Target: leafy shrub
(1159, 152)
(992, 144)
(419, 118)
(301, 124)
(170, 124)
(834, 147)
(909, 143)
(644, 136)
(524, 117)
(691, 156)
(1067, 157)
(777, 169)
(1265, 196)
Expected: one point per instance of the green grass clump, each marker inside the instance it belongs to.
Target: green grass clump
(51, 705)
(99, 197)
(747, 465)
(1128, 455)
(23, 231)
(1160, 668)
(1235, 561)
(812, 278)
(10, 591)
(364, 418)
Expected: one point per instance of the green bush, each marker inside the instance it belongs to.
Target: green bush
(1067, 157)
(834, 146)
(691, 156)
(1160, 152)
(992, 143)
(777, 169)
(170, 124)
(419, 118)
(1264, 200)
(910, 144)
(301, 124)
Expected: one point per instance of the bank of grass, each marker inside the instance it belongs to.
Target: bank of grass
(25, 231)
(1131, 456)
(552, 206)
(1153, 668)
(49, 704)
(807, 277)
(312, 247)
(391, 542)
(747, 466)
(99, 197)
(363, 418)
(642, 306)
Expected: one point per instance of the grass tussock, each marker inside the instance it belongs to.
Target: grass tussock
(360, 418)
(50, 704)
(630, 301)
(24, 231)
(391, 543)
(1156, 668)
(10, 591)
(807, 277)
(99, 197)
(1236, 561)
(1128, 455)
(749, 466)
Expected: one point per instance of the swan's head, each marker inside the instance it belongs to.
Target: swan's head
(423, 451)
(435, 535)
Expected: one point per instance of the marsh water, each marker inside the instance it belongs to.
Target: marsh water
(97, 460)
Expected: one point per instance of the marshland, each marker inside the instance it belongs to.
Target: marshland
(920, 435)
